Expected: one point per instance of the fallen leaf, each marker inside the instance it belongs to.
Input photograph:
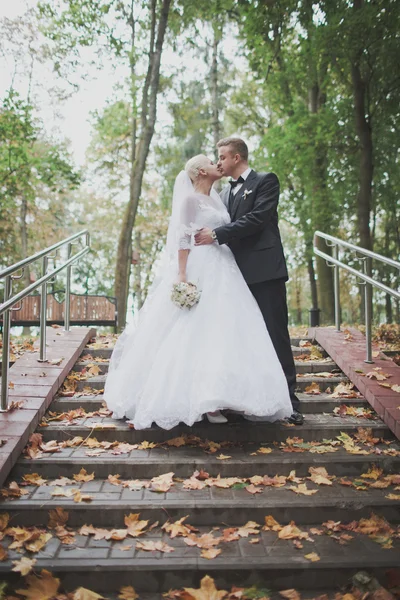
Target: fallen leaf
(84, 594)
(207, 590)
(253, 490)
(319, 475)
(127, 593)
(373, 473)
(40, 587)
(150, 546)
(223, 457)
(393, 496)
(56, 361)
(313, 557)
(135, 527)
(251, 528)
(302, 489)
(79, 497)
(4, 519)
(313, 389)
(210, 553)
(37, 544)
(178, 528)
(114, 479)
(162, 483)
(24, 565)
(57, 516)
(291, 594)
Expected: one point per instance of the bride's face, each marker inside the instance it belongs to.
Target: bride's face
(211, 170)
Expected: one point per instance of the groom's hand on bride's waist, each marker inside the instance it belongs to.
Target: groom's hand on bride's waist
(203, 237)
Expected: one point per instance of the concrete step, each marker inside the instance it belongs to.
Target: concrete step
(97, 383)
(96, 353)
(309, 404)
(102, 565)
(306, 366)
(106, 352)
(315, 427)
(206, 507)
(244, 461)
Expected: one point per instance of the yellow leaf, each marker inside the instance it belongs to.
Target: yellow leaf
(313, 557)
(39, 543)
(263, 450)
(40, 587)
(127, 593)
(210, 553)
(135, 527)
(84, 594)
(150, 546)
(4, 519)
(251, 528)
(207, 590)
(83, 476)
(290, 594)
(253, 490)
(78, 497)
(223, 457)
(34, 479)
(396, 388)
(393, 496)
(23, 566)
(302, 489)
(373, 473)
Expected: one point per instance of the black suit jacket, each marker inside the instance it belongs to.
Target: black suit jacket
(253, 235)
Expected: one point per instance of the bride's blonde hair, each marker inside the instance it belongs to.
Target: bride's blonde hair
(194, 165)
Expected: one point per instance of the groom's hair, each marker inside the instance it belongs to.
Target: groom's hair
(236, 146)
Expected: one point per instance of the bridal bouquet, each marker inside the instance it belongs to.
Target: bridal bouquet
(185, 295)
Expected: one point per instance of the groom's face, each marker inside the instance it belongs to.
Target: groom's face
(227, 160)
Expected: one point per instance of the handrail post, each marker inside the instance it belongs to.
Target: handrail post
(67, 305)
(43, 312)
(5, 360)
(368, 316)
(336, 282)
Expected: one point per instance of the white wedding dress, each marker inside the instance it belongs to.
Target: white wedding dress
(176, 364)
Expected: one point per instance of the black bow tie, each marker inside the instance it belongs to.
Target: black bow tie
(234, 183)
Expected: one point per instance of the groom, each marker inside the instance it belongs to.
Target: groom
(253, 236)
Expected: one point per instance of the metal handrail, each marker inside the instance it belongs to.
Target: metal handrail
(333, 261)
(10, 300)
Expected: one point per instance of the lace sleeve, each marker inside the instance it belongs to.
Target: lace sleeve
(187, 223)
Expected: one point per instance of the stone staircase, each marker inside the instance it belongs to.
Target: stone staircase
(319, 533)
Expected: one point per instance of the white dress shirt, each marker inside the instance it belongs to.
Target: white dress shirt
(245, 175)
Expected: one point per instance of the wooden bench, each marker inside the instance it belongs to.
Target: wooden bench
(86, 309)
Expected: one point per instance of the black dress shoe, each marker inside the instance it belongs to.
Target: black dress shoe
(296, 417)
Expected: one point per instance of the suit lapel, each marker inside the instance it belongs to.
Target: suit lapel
(250, 181)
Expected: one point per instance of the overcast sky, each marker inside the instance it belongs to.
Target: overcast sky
(70, 118)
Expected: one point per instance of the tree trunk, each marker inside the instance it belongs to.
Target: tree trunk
(366, 166)
(137, 273)
(319, 193)
(24, 249)
(313, 283)
(148, 118)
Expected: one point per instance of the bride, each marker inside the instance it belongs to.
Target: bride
(178, 364)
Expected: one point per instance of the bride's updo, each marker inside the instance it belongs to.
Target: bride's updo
(194, 165)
